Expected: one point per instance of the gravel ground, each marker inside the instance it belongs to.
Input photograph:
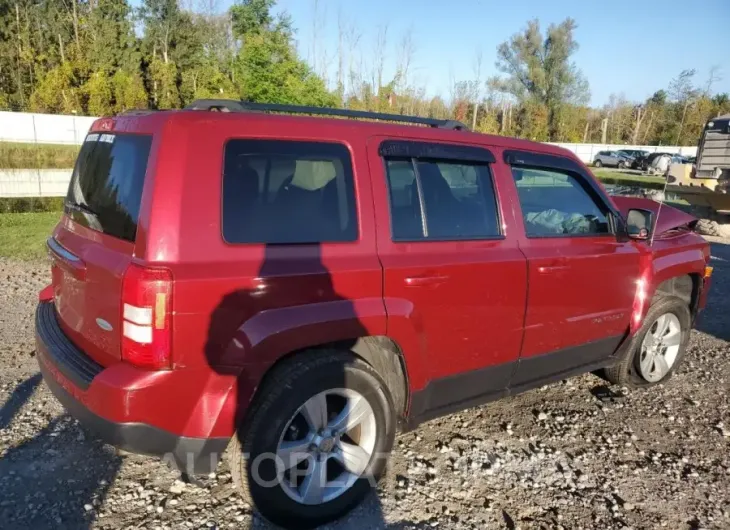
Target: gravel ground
(576, 454)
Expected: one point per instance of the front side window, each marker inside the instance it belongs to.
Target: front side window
(287, 192)
(556, 204)
(441, 200)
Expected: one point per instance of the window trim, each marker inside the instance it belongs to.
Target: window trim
(355, 211)
(398, 149)
(540, 161)
(435, 151)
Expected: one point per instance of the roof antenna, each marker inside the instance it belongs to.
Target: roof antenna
(659, 210)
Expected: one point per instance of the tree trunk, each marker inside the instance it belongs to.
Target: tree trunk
(76, 26)
(586, 130)
(681, 123)
(165, 45)
(648, 128)
(637, 125)
(553, 126)
(18, 71)
(60, 48)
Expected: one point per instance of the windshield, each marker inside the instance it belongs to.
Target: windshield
(106, 186)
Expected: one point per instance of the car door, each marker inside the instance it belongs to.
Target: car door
(582, 270)
(454, 280)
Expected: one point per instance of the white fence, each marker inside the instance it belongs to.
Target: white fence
(43, 128)
(587, 152)
(59, 129)
(34, 182)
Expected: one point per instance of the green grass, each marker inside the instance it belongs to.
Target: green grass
(31, 204)
(628, 179)
(23, 235)
(42, 156)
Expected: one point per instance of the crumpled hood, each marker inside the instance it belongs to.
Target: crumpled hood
(669, 217)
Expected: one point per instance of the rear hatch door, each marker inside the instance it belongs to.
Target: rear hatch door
(94, 243)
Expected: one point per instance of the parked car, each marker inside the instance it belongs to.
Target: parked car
(635, 155)
(292, 290)
(646, 162)
(612, 159)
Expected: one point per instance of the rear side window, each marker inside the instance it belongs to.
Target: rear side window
(105, 191)
(283, 192)
(441, 200)
(556, 204)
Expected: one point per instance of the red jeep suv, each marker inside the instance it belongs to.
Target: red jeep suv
(291, 290)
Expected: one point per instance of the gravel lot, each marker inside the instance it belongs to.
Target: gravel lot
(571, 455)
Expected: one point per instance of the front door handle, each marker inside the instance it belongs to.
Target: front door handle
(553, 266)
(422, 281)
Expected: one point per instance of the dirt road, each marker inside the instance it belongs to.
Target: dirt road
(576, 454)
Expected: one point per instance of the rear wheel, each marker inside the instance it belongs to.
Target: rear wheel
(597, 163)
(316, 440)
(657, 348)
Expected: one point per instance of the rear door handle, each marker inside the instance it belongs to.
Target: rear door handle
(422, 281)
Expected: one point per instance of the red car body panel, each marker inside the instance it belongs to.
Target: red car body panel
(451, 307)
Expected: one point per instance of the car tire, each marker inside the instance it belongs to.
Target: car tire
(597, 163)
(279, 416)
(636, 368)
(622, 165)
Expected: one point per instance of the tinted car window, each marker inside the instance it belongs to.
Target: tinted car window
(106, 185)
(287, 192)
(443, 200)
(555, 203)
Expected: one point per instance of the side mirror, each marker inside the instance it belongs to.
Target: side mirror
(639, 224)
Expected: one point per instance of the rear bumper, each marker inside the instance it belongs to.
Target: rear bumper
(121, 405)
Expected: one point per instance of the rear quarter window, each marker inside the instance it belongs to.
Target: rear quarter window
(287, 192)
(105, 191)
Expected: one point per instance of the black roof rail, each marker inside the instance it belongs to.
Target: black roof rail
(137, 112)
(228, 105)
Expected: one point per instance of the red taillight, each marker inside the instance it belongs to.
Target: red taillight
(147, 317)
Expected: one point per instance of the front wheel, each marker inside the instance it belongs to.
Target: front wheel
(657, 348)
(316, 440)
(622, 165)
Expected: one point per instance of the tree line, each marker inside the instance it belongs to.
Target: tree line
(100, 57)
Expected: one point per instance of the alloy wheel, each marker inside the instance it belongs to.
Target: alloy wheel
(326, 446)
(660, 347)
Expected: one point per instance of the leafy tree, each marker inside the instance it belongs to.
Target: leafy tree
(128, 91)
(268, 67)
(540, 70)
(98, 89)
(58, 92)
(110, 39)
(251, 17)
(163, 76)
(207, 82)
